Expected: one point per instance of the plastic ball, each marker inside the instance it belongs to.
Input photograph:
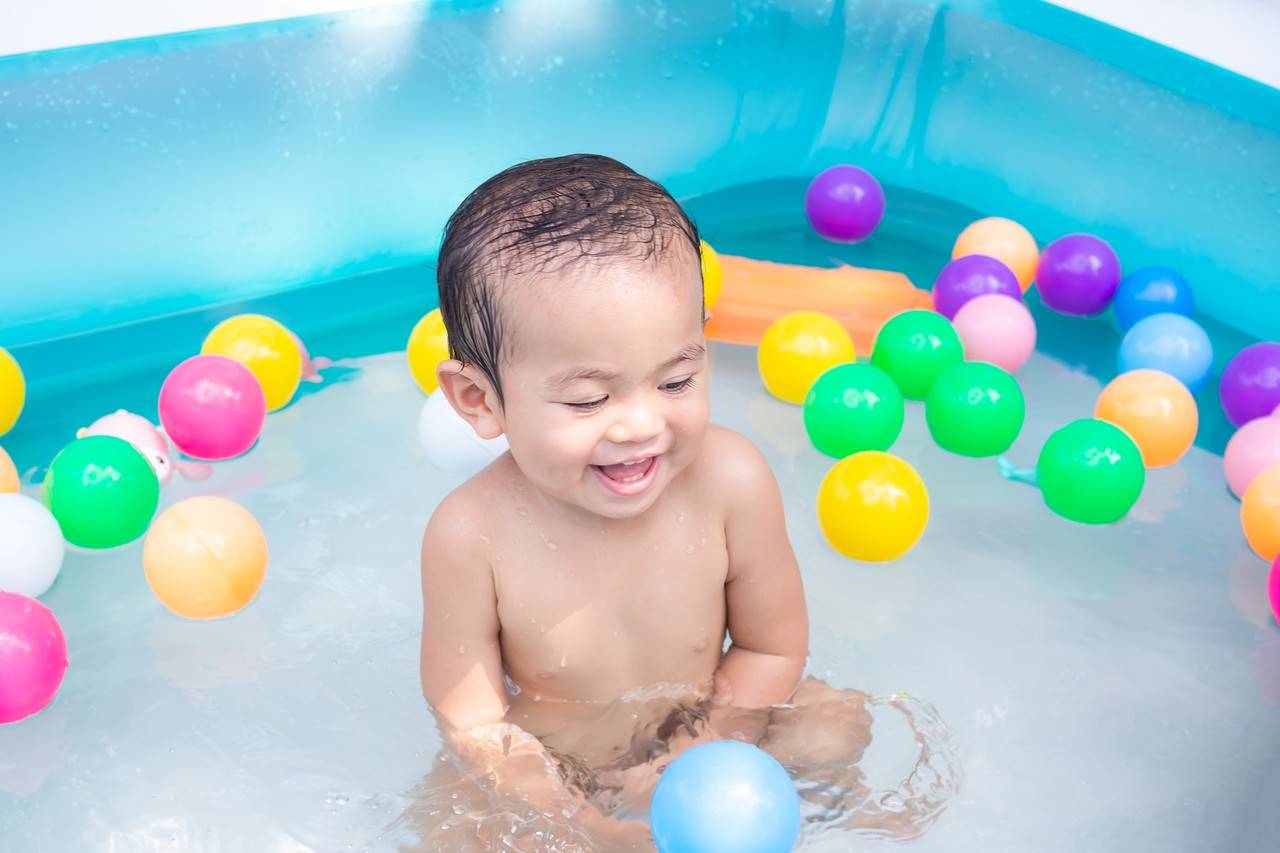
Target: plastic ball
(33, 656)
(797, 348)
(102, 491)
(1251, 383)
(264, 346)
(9, 481)
(449, 441)
(1260, 513)
(712, 276)
(1156, 410)
(31, 546)
(969, 277)
(13, 391)
(914, 347)
(844, 203)
(872, 506)
(1254, 448)
(205, 557)
(428, 346)
(1170, 343)
(212, 407)
(725, 797)
(1004, 240)
(1153, 290)
(975, 409)
(1090, 471)
(1273, 589)
(996, 330)
(851, 408)
(1078, 275)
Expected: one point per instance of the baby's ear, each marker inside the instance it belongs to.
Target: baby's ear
(471, 395)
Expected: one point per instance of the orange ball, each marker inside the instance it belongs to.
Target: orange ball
(1260, 513)
(205, 557)
(1004, 240)
(8, 474)
(1156, 410)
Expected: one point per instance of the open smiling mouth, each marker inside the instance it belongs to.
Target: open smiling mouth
(628, 478)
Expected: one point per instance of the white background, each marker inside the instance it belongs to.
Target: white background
(1238, 34)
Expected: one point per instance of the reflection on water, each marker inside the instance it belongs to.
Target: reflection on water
(821, 737)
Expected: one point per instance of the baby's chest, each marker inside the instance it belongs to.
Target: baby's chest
(592, 619)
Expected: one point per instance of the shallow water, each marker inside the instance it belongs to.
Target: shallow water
(1106, 689)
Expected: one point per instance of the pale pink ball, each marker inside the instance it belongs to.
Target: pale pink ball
(1254, 447)
(997, 329)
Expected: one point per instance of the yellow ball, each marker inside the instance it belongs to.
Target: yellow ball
(873, 506)
(205, 557)
(266, 348)
(1004, 240)
(797, 348)
(13, 391)
(712, 276)
(428, 346)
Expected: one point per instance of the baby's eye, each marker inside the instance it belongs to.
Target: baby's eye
(677, 387)
(588, 406)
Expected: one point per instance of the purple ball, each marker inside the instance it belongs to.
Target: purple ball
(969, 277)
(1251, 383)
(844, 203)
(1078, 275)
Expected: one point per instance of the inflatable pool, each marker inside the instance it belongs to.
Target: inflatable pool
(1108, 688)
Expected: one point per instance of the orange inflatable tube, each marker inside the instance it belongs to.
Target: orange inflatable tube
(755, 293)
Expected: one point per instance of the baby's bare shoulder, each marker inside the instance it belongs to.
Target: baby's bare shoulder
(456, 531)
(732, 465)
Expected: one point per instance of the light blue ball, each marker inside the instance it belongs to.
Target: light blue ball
(1153, 290)
(1172, 343)
(725, 797)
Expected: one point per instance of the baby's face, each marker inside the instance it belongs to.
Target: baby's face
(606, 385)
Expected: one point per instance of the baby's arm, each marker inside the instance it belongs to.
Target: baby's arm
(768, 621)
(462, 676)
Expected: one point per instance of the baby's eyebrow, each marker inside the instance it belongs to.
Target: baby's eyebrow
(562, 380)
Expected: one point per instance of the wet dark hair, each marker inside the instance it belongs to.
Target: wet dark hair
(538, 217)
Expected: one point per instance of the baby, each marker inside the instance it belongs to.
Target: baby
(623, 535)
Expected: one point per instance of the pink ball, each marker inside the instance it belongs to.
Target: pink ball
(997, 329)
(212, 407)
(1255, 446)
(33, 656)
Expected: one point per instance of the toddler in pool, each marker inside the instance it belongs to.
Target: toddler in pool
(623, 535)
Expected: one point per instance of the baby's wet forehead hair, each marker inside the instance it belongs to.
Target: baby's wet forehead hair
(538, 217)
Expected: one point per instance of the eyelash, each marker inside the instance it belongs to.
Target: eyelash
(670, 388)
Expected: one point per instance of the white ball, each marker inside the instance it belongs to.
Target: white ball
(450, 442)
(31, 546)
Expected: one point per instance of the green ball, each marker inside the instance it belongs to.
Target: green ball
(975, 409)
(851, 408)
(102, 491)
(915, 347)
(1090, 471)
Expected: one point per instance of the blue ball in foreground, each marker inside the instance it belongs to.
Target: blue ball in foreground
(725, 797)
(1153, 290)
(1172, 343)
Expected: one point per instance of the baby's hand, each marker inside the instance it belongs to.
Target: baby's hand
(820, 726)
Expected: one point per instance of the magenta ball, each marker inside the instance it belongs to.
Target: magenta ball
(1251, 383)
(212, 407)
(1078, 275)
(969, 277)
(844, 203)
(33, 656)
(1273, 589)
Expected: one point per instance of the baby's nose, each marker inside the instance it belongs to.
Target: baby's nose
(639, 424)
